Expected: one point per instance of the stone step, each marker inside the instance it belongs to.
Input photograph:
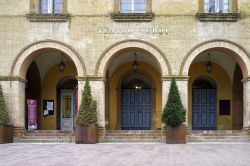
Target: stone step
(47, 137)
(220, 140)
(136, 136)
(131, 141)
(133, 136)
(45, 141)
(47, 134)
(50, 131)
(133, 131)
(128, 135)
(218, 136)
(216, 132)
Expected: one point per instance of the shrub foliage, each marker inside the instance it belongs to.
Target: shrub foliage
(174, 113)
(87, 113)
(4, 116)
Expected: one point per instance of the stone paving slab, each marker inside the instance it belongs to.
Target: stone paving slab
(124, 154)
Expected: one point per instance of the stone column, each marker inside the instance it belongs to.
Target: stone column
(81, 84)
(166, 82)
(98, 92)
(14, 94)
(182, 84)
(246, 103)
(18, 103)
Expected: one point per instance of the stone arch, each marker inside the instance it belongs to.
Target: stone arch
(106, 58)
(25, 57)
(232, 48)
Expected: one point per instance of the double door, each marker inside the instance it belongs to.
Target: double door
(204, 109)
(136, 109)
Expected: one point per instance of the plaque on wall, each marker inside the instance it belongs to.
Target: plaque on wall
(224, 107)
(48, 107)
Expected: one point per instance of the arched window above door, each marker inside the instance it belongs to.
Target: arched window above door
(204, 83)
(67, 83)
(136, 81)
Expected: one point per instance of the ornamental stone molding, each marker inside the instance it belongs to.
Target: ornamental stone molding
(240, 54)
(150, 49)
(25, 57)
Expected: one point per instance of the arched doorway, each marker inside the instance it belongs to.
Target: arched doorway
(47, 55)
(228, 67)
(67, 103)
(44, 78)
(121, 70)
(136, 102)
(204, 104)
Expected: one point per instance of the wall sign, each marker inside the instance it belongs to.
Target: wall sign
(48, 107)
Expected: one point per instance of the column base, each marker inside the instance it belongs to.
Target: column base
(247, 129)
(101, 132)
(163, 133)
(18, 132)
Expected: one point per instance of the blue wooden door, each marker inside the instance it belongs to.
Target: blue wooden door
(204, 109)
(136, 106)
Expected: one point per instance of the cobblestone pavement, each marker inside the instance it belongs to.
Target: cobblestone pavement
(125, 154)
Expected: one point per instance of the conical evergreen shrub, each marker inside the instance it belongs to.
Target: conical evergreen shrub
(174, 113)
(87, 113)
(4, 116)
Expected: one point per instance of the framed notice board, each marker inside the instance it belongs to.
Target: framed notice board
(48, 107)
(224, 107)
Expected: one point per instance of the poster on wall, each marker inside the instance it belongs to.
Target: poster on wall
(48, 107)
(32, 114)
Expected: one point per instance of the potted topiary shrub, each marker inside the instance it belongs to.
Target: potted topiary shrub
(6, 129)
(86, 131)
(174, 115)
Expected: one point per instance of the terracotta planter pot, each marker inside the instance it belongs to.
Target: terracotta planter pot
(176, 135)
(6, 134)
(86, 134)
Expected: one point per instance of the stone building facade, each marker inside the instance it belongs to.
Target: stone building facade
(203, 44)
